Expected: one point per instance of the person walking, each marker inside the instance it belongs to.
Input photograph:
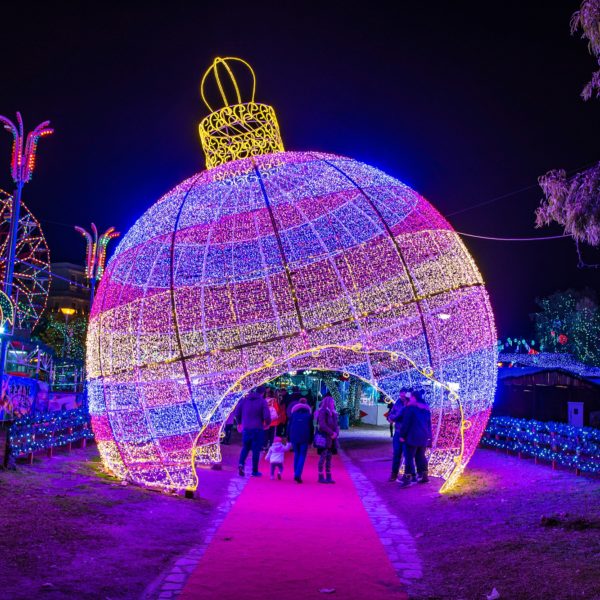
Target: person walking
(289, 401)
(253, 415)
(281, 426)
(415, 433)
(275, 456)
(327, 423)
(274, 412)
(300, 435)
(228, 428)
(395, 419)
(292, 399)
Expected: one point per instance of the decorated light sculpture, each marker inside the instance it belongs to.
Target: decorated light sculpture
(95, 253)
(7, 312)
(272, 261)
(22, 165)
(31, 269)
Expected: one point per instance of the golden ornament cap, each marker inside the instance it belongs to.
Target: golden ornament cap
(240, 129)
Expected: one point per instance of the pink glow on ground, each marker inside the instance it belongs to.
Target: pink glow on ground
(284, 540)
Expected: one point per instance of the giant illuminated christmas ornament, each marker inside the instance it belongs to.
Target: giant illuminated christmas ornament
(271, 261)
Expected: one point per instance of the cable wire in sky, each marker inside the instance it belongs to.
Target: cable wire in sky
(506, 239)
(515, 192)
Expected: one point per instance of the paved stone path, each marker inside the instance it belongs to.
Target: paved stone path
(399, 545)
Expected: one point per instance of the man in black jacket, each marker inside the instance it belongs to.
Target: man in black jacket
(394, 417)
(252, 412)
(415, 433)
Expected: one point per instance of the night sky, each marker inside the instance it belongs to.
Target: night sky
(462, 104)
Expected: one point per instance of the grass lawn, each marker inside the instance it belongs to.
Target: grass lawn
(529, 531)
(71, 532)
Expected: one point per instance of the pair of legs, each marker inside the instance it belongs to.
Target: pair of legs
(274, 467)
(325, 461)
(415, 462)
(270, 436)
(252, 439)
(227, 437)
(397, 451)
(300, 451)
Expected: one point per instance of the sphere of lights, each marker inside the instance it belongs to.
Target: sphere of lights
(271, 261)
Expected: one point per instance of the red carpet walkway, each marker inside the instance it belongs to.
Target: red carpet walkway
(283, 540)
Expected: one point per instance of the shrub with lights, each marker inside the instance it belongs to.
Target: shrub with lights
(48, 430)
(271, 261)
(575, 447)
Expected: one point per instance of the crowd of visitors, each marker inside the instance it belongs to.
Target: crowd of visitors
(277, 421)
(267, 418)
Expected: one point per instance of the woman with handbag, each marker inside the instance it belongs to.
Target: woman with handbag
(326, 437)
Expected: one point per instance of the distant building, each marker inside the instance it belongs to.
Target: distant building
(548, 387)
(69, 288)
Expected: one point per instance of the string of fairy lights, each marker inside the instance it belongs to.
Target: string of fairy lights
(36, 432)
(275, 262)
(560, 443)
(233, 304)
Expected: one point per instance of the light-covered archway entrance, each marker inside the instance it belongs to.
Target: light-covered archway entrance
(452, 440)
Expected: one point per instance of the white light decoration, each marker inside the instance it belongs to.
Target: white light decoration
(270, 264)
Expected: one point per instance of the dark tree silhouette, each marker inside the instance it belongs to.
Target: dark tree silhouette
(574, 202)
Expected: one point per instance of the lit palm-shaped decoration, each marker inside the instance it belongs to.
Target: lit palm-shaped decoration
(22, 166)
(22, 162)
(96, 253)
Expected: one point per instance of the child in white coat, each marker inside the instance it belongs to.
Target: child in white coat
(276, 454)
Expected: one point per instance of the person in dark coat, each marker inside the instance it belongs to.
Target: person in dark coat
(395, 419)
(415, 433)
(292, 399)
(252, 412)
(300, 435)
(327, 422)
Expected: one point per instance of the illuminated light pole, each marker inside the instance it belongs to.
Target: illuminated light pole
(22, 166)
(67, 312)
(96, 254)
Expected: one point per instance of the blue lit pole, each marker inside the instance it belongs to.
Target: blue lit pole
(95, 259)
(22, 166)
(95, 254)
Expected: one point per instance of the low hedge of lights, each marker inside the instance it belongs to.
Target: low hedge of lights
(560, 443)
